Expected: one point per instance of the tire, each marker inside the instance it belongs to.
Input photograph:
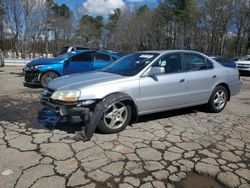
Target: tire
(116, 116)
(46, 77)
(218, 99)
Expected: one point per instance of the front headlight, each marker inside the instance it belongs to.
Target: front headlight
(66, 95)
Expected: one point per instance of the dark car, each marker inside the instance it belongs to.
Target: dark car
(236, 58)
(224, 61)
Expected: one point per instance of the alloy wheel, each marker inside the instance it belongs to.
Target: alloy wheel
(116, 115)
(219, 99)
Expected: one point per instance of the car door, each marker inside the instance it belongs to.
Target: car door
(101, 60)
(80, 62)
(167, 90)
(201, 78)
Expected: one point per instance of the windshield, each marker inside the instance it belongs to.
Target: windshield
(130, 65)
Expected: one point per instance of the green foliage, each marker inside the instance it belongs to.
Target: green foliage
(142, 9)
(115, 16)
(62, 10)
(113, 19)
(89, 30)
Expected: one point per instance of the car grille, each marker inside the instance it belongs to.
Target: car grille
(243, 66)
(31, 76)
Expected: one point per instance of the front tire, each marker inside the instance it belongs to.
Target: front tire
(46, 77)
(218, 99)
(116, 117)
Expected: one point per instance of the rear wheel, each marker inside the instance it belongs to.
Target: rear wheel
(218, 99)
(47, 76)
(116, 117)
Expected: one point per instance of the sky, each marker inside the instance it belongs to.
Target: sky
(103, 7)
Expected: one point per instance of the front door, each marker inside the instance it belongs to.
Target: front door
(81, 62)
(165, 91)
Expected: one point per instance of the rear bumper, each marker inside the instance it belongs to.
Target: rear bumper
(235, 87)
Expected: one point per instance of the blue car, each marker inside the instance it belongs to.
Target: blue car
(40, 71)
(224, 61)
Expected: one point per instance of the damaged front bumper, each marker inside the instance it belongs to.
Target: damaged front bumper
(68, 111)
(31, 77)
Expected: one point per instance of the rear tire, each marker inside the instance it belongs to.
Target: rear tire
(218, 99)
(115, 117)
(46, 77)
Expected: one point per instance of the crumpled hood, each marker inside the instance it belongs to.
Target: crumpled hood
(42, 61)
(82, 80)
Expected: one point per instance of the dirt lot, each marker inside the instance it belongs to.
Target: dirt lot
(187, 148)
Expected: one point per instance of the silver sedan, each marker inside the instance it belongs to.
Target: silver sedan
(142, 83)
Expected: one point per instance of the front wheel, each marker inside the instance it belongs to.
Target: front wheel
(218, 99)
(115, 118)
(47, 76)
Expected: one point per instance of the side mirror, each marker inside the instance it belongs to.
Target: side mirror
(155, 71)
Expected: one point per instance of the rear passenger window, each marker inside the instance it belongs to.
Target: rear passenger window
(102, 57)
(195, 62)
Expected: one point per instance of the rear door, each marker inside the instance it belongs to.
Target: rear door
(81, 62)
(167, 90)
(101, 60)
(201, 77)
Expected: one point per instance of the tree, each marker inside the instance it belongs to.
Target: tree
(209, 26)
(61, 25)
(89, 30)
(179, 16)
(1, 29)
(13, 9)
(142, 9)
(216, 19)
(241, 43)
(47, 25)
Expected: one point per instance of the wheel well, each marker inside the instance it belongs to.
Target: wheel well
(128, 100)
(42, 73)
(134, 109)
(227, 88)
(51, 71)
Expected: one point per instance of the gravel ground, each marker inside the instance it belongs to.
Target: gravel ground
(187, 148)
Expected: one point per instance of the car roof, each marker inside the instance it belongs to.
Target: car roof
(103, 51)
(168, 51)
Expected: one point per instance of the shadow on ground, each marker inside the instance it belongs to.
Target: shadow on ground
(17, 74)
(14, 110)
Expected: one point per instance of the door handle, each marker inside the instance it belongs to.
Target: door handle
(214, 76)
(182, 80)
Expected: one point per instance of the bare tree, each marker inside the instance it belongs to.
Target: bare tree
(13, 18)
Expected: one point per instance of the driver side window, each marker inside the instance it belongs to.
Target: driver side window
(82, 57)
(170, 62)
